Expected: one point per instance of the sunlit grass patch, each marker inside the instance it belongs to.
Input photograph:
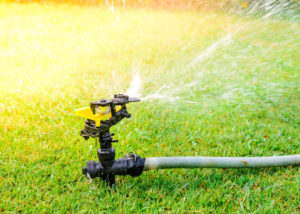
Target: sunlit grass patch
(241, 72)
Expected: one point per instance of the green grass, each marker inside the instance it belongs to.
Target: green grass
(57, 58)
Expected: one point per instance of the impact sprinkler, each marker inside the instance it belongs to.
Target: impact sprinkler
(103, 114)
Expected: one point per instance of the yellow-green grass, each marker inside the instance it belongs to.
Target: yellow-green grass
(56, 58)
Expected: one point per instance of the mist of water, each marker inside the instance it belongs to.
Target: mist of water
(172, 91)
(135, 88)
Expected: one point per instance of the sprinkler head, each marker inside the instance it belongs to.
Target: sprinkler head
(104, 113)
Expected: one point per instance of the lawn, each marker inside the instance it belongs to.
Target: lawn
(229, 85)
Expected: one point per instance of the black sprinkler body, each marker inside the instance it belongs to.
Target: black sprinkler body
(110, 112)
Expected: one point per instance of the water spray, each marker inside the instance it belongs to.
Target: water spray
(105, 113)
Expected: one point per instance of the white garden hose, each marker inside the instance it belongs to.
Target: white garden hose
(220, 162)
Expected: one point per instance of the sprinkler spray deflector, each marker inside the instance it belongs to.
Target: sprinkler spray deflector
(105, 113)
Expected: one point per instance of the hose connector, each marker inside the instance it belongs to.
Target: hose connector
(131, 164)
